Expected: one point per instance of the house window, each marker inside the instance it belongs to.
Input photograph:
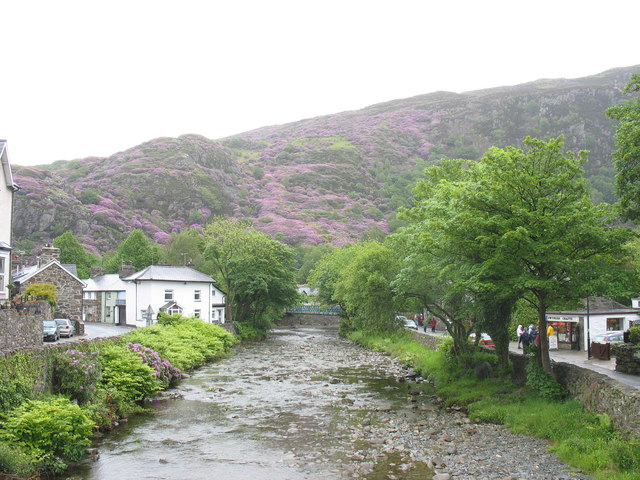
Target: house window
(108, 295)
(196, 313)
(168, 295)
(196, 296)
(220, 314)
(108, 314)
(89, 295)
(614, 324)
(174, 309)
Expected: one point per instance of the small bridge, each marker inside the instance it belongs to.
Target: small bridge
(312, 315)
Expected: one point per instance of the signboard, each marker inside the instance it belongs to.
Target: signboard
(561, 318)
(553, 342)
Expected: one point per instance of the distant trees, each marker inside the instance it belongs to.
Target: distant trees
(626, 158)
(136, 249)
(72, 252)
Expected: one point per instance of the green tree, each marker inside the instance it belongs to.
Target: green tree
(364, 286)
(136, 249)
(256, 272)
(185, 248)
(72, 252)
(626, 158)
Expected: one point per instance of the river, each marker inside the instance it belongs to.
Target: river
(306, 404)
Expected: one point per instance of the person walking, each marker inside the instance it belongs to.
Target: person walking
(433, 324)
(520, 332)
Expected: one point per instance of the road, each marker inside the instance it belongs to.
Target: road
(99, 330)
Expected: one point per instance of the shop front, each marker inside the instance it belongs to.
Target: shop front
(566, 334)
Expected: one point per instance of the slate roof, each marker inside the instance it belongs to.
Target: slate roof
(599, 306)
(170, 274)
(28, 272)
(110, 282)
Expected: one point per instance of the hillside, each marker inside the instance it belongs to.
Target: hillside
(325, 179)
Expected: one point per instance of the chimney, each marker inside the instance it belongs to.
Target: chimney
(126, 269)
(47, 255)
(97, 272)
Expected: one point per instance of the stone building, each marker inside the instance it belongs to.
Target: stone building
(49, 270)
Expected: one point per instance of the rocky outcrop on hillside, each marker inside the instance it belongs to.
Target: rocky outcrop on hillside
(325, 179)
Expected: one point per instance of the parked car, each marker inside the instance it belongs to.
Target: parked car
(408, 323)
(50, 331)
(65, 326)
(614, 336)
(485, 339)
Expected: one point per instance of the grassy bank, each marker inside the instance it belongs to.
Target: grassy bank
(53, 400)
(582, 439)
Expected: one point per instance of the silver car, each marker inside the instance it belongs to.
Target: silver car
(65, 326)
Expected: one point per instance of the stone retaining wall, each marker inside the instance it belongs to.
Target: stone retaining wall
(626, 360)
(23, 328)
(602, 394)
(595, 391)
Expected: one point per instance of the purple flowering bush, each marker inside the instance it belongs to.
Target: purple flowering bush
(166, 373)
(76, 375)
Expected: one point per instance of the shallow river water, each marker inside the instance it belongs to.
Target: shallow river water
(306, 404)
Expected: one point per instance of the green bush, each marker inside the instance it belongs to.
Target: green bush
(186, 342)
(49, 429)
(634, 334)
(44, 290)
(14, 461)
(248, 332)
(543, 384)
(126, 379)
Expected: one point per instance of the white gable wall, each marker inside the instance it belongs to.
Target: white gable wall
(6, 211)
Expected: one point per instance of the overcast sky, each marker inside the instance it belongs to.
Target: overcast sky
(87, 78)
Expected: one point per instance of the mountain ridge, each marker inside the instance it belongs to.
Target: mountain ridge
(327, 179)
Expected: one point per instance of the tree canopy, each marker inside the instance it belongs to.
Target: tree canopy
(519, 223)
(256, 273)
(626, 158)
(72, 252)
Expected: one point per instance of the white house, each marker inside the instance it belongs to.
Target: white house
(599, 315)
(104, 299)
(7, 189)
(170, 289)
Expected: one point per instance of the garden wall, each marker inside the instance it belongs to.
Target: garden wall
(22, 328)
(595, 391)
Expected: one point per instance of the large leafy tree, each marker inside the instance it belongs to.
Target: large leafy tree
(256, 272)
(626, 158)
(72, 252)
(519, 223)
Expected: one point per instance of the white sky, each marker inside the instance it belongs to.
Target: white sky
(84, 78)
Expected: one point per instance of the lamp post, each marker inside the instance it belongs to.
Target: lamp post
(588, 332)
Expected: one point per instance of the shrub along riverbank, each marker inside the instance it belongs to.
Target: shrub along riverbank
(582, 439)
(53, 400)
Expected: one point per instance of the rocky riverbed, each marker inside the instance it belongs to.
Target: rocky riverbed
(306, 404)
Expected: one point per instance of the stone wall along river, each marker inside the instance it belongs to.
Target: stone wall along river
(306, 404)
